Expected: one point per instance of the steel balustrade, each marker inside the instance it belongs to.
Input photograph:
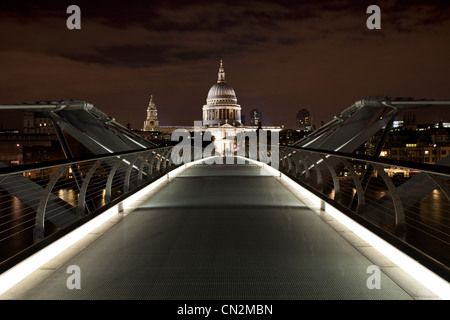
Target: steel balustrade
(105, 179)
(381, 201)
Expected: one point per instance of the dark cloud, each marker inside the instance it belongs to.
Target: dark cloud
(279, 55)
(238, 24)
(145, 55)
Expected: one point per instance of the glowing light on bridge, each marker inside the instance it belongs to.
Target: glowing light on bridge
(20, 271)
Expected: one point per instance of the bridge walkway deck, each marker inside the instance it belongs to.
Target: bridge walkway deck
(218, 232)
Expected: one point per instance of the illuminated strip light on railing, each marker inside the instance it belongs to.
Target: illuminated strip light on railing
(17, 273)
(134, 166)
(427, 278)
(20, 271)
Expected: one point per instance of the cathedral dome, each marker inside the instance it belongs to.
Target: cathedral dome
(221, 91)
(221, 103)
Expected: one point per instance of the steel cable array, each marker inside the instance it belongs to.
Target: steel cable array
(37, 201)
(421, 220)
(28, 193)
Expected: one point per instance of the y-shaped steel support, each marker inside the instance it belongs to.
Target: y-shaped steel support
(39, 225)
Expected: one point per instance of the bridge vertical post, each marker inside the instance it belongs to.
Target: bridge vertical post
(296, 163)
(167, 158)
(400, 227)
(305, 166)
(126, 183)
(336, 186)
(39, 225)
(141, 167)
(111, 178)
(289, 162)
(318, 172)
(152, 163)
(158, 164)
(82, 197)
(358, 186)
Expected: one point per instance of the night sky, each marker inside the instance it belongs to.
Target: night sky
(279, 56)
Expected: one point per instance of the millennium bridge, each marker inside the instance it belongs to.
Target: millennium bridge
(314, 220)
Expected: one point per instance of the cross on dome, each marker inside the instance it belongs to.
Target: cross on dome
(221, 76)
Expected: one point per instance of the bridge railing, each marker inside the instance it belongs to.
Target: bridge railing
(408, 203)
(38, 200)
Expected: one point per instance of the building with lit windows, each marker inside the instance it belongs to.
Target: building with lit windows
(423, 144)
(304, 120)
(36, 122)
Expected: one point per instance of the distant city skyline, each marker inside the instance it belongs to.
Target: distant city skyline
(280, 56)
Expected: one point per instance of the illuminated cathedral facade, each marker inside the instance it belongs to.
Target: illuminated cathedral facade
(221, 117)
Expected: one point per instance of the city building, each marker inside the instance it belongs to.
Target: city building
(38, 123)
(304, 121)
(37, 142)
(424, 144)
(24, 148)
(289, 136)
(255, 117)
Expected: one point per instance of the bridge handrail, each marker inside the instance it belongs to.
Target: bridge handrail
(29, 198)
(423, 167)
(5, 171)
(308, 167)
(386, 204)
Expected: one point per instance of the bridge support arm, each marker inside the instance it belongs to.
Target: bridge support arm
(39, 225)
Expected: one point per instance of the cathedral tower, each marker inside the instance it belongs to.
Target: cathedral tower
(151, 122)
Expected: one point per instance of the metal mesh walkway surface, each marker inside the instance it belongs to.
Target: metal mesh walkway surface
(217, 232)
